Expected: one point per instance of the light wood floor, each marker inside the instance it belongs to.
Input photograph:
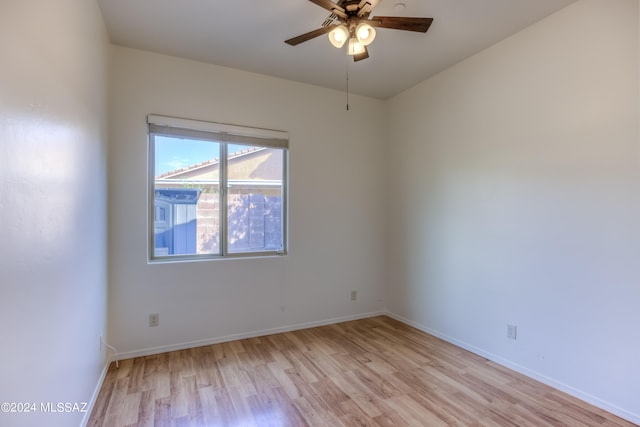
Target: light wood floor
(372, 372)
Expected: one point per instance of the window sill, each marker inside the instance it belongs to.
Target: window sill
(204, 258)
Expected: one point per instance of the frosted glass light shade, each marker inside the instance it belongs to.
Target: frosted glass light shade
(365, 33)
(355, 47)
(338, 36)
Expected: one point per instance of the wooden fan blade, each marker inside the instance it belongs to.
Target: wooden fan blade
(361, 56)
(331, 7)
(310, 35)
(420, 25)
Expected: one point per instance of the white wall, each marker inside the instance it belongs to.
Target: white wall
(53, 106)
(336, 208)
(520, 203)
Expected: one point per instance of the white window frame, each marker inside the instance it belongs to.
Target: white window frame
(222, 134)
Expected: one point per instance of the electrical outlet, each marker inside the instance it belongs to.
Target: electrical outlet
(354, 295)
(154, 319)
(512, 332)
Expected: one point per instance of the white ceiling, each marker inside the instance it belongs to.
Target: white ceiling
(249, 35)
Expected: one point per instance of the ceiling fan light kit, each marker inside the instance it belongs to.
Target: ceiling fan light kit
(355, 26)
(359, 37)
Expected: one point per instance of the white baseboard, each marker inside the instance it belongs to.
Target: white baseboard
(234, 337)
(96, 392)
(593, 400)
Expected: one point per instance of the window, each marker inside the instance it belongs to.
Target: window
(215, 190)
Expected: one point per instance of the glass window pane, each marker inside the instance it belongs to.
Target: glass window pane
(254, 201)
(186, 196)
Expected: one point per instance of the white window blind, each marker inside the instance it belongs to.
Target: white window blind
(197, 129)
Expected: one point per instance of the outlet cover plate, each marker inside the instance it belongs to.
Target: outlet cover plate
(154, 320)
(512, 332)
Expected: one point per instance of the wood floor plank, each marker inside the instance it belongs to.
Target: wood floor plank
(375, 372)
(162, 412)
(414, 413)
(312, 416)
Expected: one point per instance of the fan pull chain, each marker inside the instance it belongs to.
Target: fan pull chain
(347, 82)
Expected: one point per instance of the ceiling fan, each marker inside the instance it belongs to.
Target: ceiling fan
(354, 26)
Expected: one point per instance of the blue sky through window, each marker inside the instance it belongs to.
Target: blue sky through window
(176, 153)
